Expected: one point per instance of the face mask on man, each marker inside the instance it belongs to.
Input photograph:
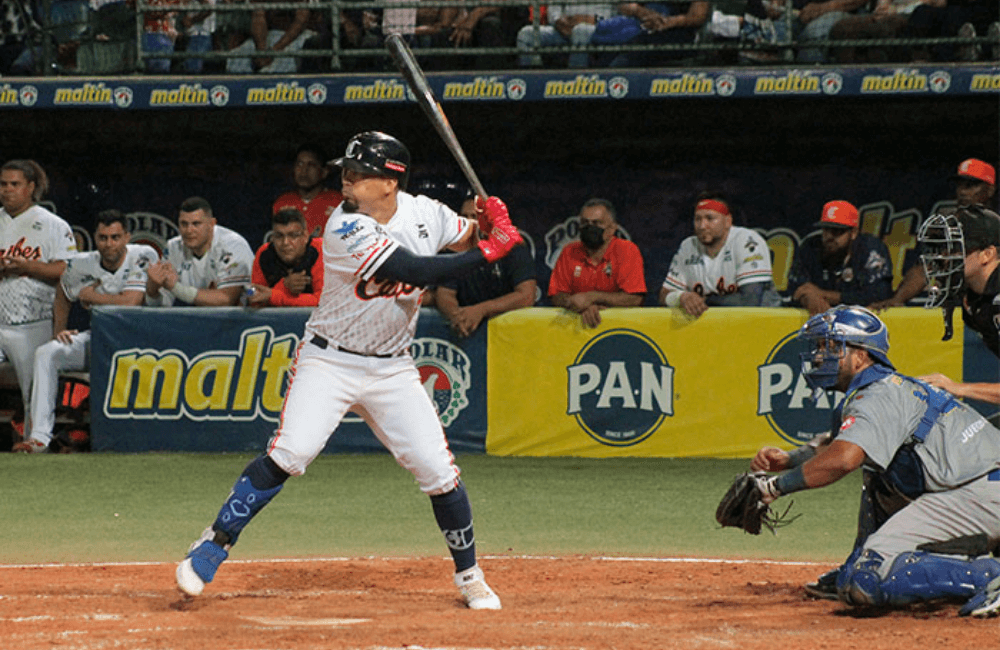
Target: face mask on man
(592, 236)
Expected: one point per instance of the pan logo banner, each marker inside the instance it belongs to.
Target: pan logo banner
(620, 388)
(784, 398)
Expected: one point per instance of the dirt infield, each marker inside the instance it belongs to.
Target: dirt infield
(549, 603)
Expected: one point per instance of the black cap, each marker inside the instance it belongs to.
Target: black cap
(980, 227)
(377, 153)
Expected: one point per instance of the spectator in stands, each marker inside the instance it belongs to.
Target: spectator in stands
(721, 265)
(288, 271)
(16, 23)
(162, 36)
(653, 23)
(490, 290)
(842, 266)
(114, 274)
(888, 20)
(964, 18)
(272, 31)
(813, 22)
(311, 197)
(207, 265)
(488, 26)
(565, 24)
(601, 270)
(34, 247)
(975, 184)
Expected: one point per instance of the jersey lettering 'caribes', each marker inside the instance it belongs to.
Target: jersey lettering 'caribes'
(358, 311)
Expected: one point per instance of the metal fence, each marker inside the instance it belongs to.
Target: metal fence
(94, 37)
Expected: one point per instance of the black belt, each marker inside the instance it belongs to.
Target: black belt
(323, 344)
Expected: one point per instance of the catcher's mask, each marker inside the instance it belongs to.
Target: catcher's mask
(830, 334)
(943, 257)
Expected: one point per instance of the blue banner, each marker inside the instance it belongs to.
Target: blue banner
(514, 86)
(201, 379)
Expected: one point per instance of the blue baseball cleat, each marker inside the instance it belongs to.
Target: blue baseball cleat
(199, 567)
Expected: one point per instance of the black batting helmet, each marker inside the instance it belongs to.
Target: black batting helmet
(374, 152)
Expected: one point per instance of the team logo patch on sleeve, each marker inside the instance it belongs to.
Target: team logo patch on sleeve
(847, 423)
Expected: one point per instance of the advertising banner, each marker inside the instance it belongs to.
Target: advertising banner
(205, 379)
(654, 382)
(215, 93)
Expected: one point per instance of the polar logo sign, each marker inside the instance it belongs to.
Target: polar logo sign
(784, 398)
(620, 388)
(444, 372)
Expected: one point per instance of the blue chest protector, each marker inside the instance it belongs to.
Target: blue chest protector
(906, 472)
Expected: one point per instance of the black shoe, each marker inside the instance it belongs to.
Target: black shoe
(825, 587)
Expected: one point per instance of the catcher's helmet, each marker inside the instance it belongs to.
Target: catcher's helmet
(373, 152)
(831, 332)
(946, 238)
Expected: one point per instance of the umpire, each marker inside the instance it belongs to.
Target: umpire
(932, 466)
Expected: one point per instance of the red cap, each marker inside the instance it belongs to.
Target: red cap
(839, 214)
(977, 170)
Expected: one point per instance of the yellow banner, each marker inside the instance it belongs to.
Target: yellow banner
(654, 382)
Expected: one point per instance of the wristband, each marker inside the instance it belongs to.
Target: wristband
(792, 481)
(185, 292)
(800, 455)
(672, 299)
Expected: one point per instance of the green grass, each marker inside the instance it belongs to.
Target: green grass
(112, 507)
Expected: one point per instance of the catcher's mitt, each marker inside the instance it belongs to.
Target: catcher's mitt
(743, 507)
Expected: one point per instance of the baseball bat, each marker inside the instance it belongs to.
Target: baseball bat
(415, 79)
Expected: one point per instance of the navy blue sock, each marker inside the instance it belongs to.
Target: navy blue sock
(454, 518)
(260, 481)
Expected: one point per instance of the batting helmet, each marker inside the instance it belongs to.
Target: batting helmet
(830, 333)
(373, 152)
(946, 238)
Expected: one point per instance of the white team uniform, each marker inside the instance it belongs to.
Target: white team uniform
(226, 263)
(55, 357)
(743, 259)
(26, 303)
(355, 352)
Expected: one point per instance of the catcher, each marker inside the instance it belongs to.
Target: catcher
(932, 468)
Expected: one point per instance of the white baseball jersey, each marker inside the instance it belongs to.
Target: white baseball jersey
(743, 259)
(358, 312)
(226, 263)
(84, 269)
(35, 234)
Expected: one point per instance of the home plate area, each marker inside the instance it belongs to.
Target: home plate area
(560, 603)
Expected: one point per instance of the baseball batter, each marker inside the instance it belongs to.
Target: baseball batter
(34, 247)
(720, 265)
(379, 249)
(933, 465)
(207, 265)
(114, 274)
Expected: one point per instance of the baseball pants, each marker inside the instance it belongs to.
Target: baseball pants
(52, 359)
(326, 383)
(19, 343)
(971, 509)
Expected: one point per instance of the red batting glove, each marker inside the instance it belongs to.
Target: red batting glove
(503, 236)
(487, 212)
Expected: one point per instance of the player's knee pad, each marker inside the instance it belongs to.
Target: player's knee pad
(916, 576)
(255, 488)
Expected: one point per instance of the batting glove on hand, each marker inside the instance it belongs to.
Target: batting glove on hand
(503, 234)
(487, 212)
